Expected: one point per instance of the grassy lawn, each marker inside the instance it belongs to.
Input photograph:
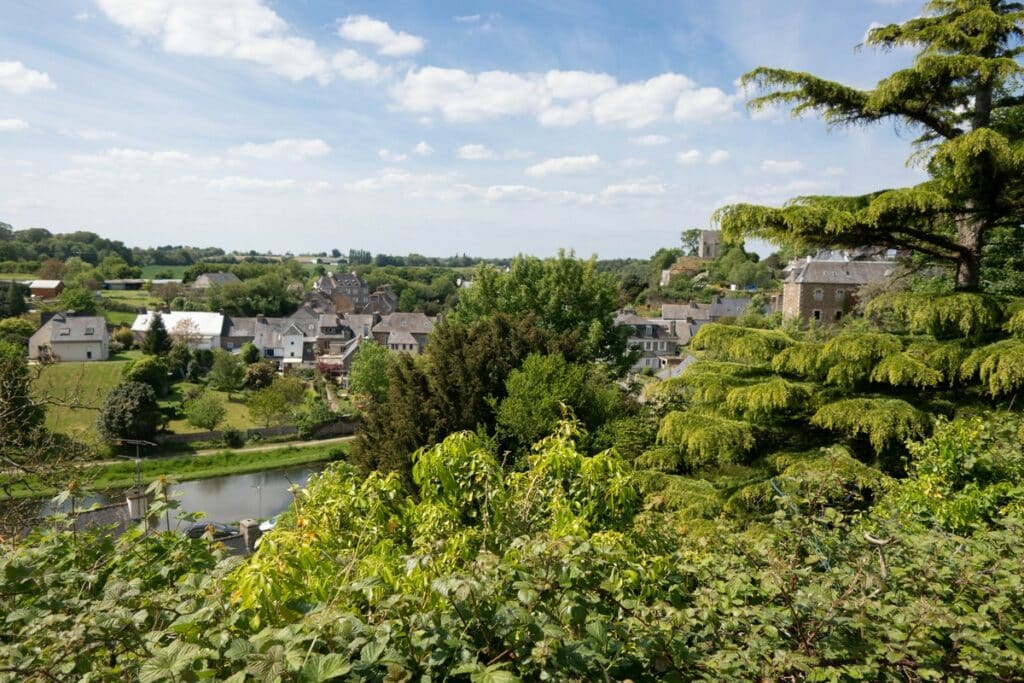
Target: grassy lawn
(237, 412)
(18, 276)
(150, 272)
(120, 317)
(86, 384)
(187, 467)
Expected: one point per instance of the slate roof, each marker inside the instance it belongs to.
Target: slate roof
(397, 337)
(45, 284)
(67, 328)
(841, 272)
(357, 321)
(414, 323)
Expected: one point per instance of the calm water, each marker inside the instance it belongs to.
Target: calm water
(227, 499)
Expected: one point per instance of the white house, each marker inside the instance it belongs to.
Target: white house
(198, 329)
(70, 338)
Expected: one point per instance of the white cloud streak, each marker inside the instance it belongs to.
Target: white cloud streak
(389, 43)
(565, 166)
(17, 78)
(12, 125)
(292, 149)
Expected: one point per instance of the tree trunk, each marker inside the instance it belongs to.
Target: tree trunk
(970, 229)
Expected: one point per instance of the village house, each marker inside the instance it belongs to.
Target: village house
(709, 247)
(349, 293)
(66, 337)
(207, 280)
(655, 340)
(696, 315)
(46, 289)
(403, 332)
(824, 287)
(197, 329)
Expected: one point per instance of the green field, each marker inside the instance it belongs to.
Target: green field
(118, 318)
(237, 412)
(149, 272)
(81, 384)
(17, 276)
(187, 467)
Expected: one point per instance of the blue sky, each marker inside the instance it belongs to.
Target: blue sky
(434, 127)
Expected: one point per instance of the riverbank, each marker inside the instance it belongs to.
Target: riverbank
(121, 474)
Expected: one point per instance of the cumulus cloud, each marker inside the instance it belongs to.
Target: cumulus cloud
(704, 104)
(422, 149)
(476, 153)
(781, 167)
(718, 156)
(557, 98)
(390, 43)
(11, 125)
(293, 149)
(689, 157)
(412, 184)
(245, 30)
(353, 66)
(565, 165)
(467, 19)
(638, 104)
(650, 140)
(17, 78)
(391, 157)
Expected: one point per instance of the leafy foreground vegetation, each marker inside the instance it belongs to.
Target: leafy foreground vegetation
(560, 571)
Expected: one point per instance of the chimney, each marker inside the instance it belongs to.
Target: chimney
(250, 533)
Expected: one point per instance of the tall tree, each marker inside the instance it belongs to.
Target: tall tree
(227, 373)
(962, 96)
(369, 373)
(156, 342)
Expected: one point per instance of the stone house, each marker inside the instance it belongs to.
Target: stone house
(825, 288)
(655, 339)
(403, 332)
(46, 289)
(348, 293)
(66, 337)
(710, 245)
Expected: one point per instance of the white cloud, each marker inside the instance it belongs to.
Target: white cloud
(86, 134)
(558, 116)
(476, 153)
(235, 182)
(556, 98)
(95, 176)
(577, 85)
(293, 149)
(464, 97)
(355, 67)
(704, 104)
(390, 43)
(718, 156)
(641, 187)
(413, 184)
(565, 165)
(11, 125)
(650, 140)
(17, 78)
(638, 104)
(467, 19)
(391, 157)
(781, 167)
(140, 157)
(689, 157)
(245, 30)
(422, 149)
(633, 162)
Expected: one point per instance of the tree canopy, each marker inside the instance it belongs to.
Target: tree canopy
(962, 97)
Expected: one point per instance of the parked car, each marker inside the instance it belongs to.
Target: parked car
(219, 530)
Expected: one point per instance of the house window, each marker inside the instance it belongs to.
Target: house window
(839, 315)
(230, 346)
(90, 330)
(819, 294)
(840, 295)
(817, 314)
(88, 355)
(65, 331)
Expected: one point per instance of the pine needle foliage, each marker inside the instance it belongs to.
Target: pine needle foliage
(802, 359)
(706, 439)
(707, 381)
(943, 356)
(948, 316)
(885, 422)
(851, 356)
(739, 344)
(999, 367)
(764, 400)
(1015, 325)
(904, 370)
